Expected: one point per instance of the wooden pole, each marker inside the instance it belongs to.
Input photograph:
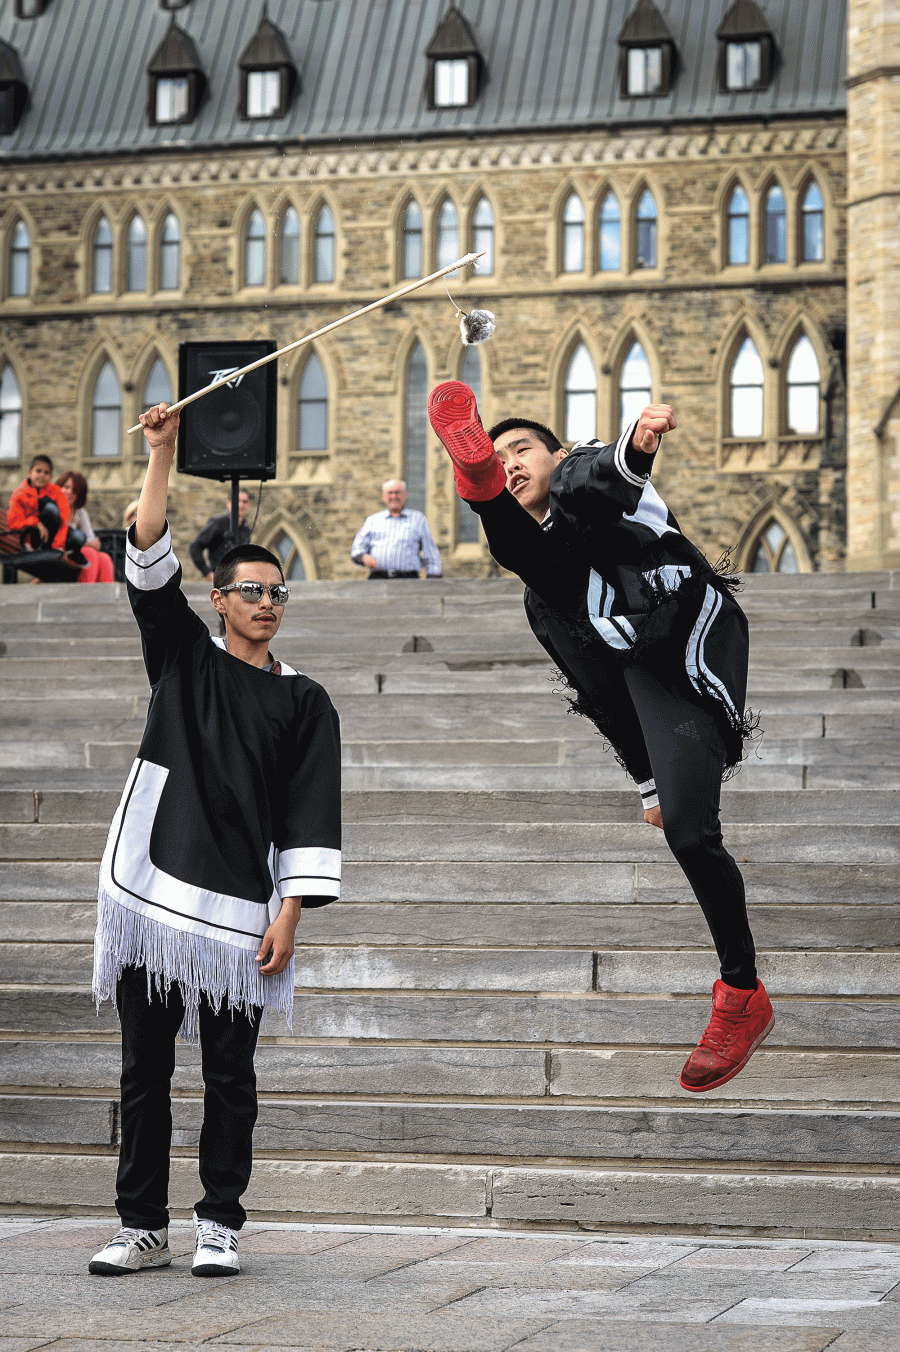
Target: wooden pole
(376, 305)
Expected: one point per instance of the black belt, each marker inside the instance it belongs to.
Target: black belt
(390, 572)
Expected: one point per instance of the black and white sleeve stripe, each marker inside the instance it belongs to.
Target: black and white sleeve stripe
(649, 796)
(152, 568)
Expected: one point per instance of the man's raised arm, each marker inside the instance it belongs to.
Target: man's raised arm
(161, 435)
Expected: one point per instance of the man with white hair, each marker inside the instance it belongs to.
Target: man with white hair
(397, 541)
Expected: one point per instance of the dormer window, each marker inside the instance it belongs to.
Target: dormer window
(746, 49)
(268, 75)
(176, 79)
(648, 57)
(13, 89)
(455, 65)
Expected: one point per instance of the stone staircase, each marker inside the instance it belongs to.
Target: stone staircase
(488, 1029)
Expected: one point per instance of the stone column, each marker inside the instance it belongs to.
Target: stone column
(873, 285)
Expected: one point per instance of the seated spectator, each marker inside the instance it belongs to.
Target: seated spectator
(216, 537)
(81, 540)
(38, 509)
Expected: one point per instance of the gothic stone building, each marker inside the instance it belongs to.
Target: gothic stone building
(663, 192)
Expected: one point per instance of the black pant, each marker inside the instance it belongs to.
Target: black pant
(49, 516)
(661, 728)
(227, 1043)
(687, 757)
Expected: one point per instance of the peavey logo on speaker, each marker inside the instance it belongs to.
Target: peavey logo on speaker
(227, 371)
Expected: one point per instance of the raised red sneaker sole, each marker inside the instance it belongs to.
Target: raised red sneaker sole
(735, 1070)
(453, 411)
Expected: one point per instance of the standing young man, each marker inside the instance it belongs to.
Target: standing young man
(652, 644)
(230, 820)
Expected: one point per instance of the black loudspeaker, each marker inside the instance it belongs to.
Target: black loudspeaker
(231, 432)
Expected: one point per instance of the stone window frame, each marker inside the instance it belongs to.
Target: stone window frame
(746, 454)
(322, 199)
(467, 551)
(132, 213)
(286, 204)
(283, 525)
(98, 211)
(634, 330)
(133, 391)
(398, 234)
(161, 214)
(643, 185)
(733, 181)
(7, 237)
(577, 335)
(813, 174)
(569, 189)
(774, 179)
(102, 353)
(478, 195)
(289, 455)
(432, 259)
(242, 217)
(749, 538)
(10, 358)
(800, 326)
(608, 188)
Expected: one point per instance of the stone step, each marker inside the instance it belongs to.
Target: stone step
(510, 970)
(439, 882)
(96, 807)
(472, 924)
(533, 842)
(787, 1078)
(495, 1132)
(785, 1202)
(593, 1020)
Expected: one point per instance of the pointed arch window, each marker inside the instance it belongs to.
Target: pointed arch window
(776, 225)
(312, 407)
(738, 227)
(136, 255)
(573, 234)
(255, 250)
(746, 391)
(102, 253)
(324, 246)
(20, 260)
(415, 450)
(581, 396)
(10, 416)
(170, 254)
(610, 234)
(447, 234)
(483, 236)
(812, 238)
(645, 233)
(635, 385)
(157, 386)
(467, 521)
(291, 560)
(774, 552)
(289, 249)
(106, 413)
(803, 389)
(413, 252)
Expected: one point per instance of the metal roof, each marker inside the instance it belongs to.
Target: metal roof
(362, 66)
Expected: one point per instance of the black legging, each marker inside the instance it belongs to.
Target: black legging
(661, 727)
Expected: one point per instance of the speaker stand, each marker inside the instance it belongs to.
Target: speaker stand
(235, 515)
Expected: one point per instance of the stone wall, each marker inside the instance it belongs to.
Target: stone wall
(689, 313)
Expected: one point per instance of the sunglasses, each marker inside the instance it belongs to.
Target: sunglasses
(252, 592)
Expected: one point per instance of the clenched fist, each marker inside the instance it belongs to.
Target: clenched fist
(655, 419)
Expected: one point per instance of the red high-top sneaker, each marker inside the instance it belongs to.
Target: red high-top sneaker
(740, 1021)
(454, 416)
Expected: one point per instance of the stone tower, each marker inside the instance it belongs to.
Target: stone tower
(873, 284)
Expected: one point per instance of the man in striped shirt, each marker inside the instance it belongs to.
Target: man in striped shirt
(397, 541)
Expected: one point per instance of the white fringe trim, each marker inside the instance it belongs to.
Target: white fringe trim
(198, 965)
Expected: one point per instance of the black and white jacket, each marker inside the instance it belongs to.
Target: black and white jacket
(612, 582)
(232, 803)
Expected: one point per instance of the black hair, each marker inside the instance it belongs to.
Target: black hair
(40, 458)
(550, 439)
(228, 563)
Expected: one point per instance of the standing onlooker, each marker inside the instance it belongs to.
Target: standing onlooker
(217, 537)
(99, 564)
(38, 509)
(395, 542)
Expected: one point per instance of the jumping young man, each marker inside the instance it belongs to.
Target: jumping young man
(229, 821)
(651, 643)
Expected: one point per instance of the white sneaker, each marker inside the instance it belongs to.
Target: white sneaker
(216, 1251)
(131, 1250)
